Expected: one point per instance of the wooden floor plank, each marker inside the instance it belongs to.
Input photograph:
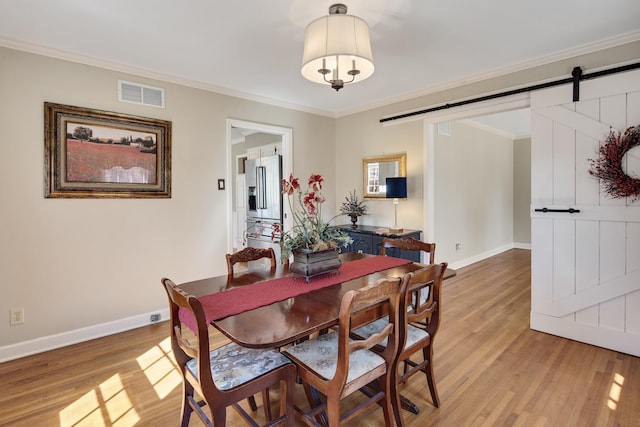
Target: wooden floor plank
(491, 370)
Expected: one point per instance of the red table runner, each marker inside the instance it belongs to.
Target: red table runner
(237, 300)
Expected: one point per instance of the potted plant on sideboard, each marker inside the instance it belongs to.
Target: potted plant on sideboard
(353, 207)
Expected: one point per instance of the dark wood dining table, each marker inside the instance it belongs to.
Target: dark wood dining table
(285, 322)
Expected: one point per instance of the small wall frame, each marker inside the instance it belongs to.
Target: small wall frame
(376, 169)
(101, 154)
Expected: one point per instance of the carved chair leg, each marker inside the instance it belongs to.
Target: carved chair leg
(187, 391)
(430, 377)
(266, 402)
(252, 403)
(314, 399)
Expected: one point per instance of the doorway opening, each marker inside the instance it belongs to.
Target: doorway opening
(249, 140)
(479, 247)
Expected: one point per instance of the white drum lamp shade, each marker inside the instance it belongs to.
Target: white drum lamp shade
(337, 49)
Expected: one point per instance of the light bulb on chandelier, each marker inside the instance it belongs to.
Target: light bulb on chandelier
(337, 49)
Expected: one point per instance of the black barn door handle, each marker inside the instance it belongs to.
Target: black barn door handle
(570, 210)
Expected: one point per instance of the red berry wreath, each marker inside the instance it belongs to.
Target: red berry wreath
(608, 167)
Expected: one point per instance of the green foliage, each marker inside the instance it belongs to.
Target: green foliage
(353, 206)
(309, 231)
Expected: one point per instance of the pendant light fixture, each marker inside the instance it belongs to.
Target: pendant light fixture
(337, 49)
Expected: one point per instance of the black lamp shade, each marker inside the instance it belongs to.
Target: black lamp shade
(397, 188)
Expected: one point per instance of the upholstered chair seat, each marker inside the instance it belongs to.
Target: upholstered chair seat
(213, 380)
(414, 334)
(335, 366)
(233, 365)
(320, 355)
(419, 323)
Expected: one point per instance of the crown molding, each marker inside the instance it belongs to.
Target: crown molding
(501, 71)
(490, 129)
(166, 78)
(497, 72)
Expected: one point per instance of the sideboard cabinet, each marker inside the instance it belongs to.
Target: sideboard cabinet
(367, 239)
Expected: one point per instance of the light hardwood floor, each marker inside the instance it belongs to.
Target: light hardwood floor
(491, 370)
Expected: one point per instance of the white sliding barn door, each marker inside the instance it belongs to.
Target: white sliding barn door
(585, 282)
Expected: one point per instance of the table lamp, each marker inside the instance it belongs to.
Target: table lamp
(396, 189)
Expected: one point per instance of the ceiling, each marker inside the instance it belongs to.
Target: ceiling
(512, 124)
(253, 48)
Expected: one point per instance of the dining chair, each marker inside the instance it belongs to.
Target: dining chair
(419, 323)
(409, 244)
(249, 254)
(226, 375)
(337, 366)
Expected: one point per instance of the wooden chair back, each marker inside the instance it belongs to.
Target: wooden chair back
(384, 290)
(419, 320)
(423, 312)
(186, 346)
(409, 244)
(339, 348)
(249, 254)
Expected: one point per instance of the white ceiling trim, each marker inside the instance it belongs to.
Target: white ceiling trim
(490, 106)
(448, 113)
(113, 66)
(141, 72)
(489, 129)
(498, 72)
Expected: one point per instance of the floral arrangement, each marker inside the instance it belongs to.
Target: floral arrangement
(309, 231)
(608, 166)
(352, 206)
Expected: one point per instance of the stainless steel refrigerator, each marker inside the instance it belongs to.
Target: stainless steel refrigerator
(264, 191)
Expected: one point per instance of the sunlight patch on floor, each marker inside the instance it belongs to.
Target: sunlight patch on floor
(109, 404)
(615, 391)
(84, 411)
(160, 369)
(109, 401)
(117, 402)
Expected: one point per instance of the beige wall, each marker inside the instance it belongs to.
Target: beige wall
(522, 192)
(356, 139)
(78, 263)
(474, 192)
(361, 134)
(86, 267)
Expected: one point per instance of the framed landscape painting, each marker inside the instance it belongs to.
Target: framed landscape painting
(101, 154)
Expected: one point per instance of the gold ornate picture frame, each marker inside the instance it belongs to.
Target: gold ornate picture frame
(101, 154)
(376, 169)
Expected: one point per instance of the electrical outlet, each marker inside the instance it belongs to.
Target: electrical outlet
(458, 246)
(17, 316)
(154, 318)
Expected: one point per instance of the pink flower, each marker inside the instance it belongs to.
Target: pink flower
(276, 229)
(309, 231)
(289, 186)
(315, 182)
(311, 202)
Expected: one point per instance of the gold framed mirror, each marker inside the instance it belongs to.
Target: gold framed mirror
(375, 171)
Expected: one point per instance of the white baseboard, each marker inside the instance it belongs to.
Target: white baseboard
(479, 257)
(522, 246)
(50, 342)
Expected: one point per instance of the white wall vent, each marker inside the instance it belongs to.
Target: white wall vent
(137, 93)
(444, 128)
